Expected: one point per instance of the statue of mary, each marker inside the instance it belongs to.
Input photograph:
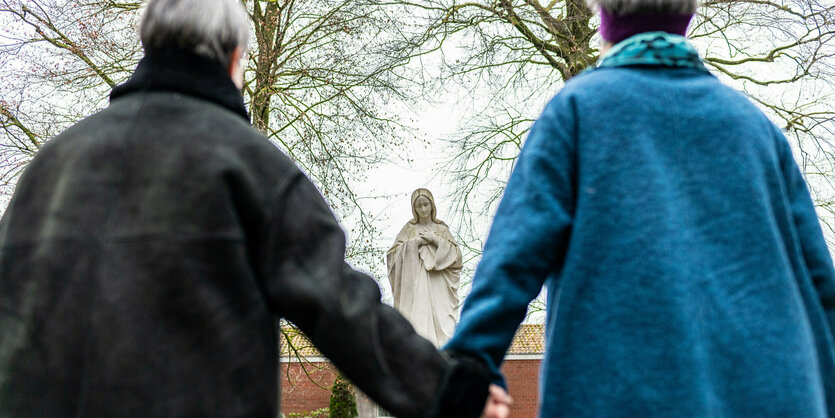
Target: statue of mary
(424, 267)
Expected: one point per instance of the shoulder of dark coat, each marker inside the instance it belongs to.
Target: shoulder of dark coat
(217, 127)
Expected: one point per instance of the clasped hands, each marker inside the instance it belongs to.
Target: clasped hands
(498, 403)
(426, 238)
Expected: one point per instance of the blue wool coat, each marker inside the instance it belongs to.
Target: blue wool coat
(686, 270)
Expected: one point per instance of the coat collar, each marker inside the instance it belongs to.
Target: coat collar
(658, 49)
(185, 73)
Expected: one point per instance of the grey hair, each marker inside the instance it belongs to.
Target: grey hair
(210, 28)
(625, 7)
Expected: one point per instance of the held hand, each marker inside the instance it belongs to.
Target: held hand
(498, 403)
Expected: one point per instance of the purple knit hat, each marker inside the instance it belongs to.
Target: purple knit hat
(615, 28)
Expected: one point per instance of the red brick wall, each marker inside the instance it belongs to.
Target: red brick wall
(523, 384)
(300, 393)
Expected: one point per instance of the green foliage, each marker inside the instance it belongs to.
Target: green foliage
(343, 402)
(319, 413)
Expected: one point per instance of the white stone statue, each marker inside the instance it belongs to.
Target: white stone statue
(424, 267)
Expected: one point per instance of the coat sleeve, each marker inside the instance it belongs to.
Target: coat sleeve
(308, 282)
(816, 265)
(812, 242)
(527, 240)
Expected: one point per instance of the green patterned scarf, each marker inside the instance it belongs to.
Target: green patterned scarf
(655, 49)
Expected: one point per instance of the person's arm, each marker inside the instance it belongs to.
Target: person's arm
(819, 295)
(308, 282)
(527, 240)
(813, 244)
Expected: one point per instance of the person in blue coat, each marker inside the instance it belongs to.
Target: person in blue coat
(686, 270)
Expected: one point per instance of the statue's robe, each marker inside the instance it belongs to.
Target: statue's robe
(424, 280)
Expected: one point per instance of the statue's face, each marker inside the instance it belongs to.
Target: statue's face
(423, 207)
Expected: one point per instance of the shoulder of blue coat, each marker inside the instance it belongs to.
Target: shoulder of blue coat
(744, 105)
(581, 88)
(603, 85)
(606, 79)
(594, 79)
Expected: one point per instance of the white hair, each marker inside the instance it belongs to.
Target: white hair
(625, 7)
(210, 28)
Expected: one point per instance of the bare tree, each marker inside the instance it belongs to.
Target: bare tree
(782, 55)
(515, 54)
(319, 85)
(57, 64)
(519, 52)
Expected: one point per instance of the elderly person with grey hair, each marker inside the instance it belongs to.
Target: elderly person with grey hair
(149, 249)
(686, 270)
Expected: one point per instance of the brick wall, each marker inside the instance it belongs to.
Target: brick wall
(302, 394)
(523, 384)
